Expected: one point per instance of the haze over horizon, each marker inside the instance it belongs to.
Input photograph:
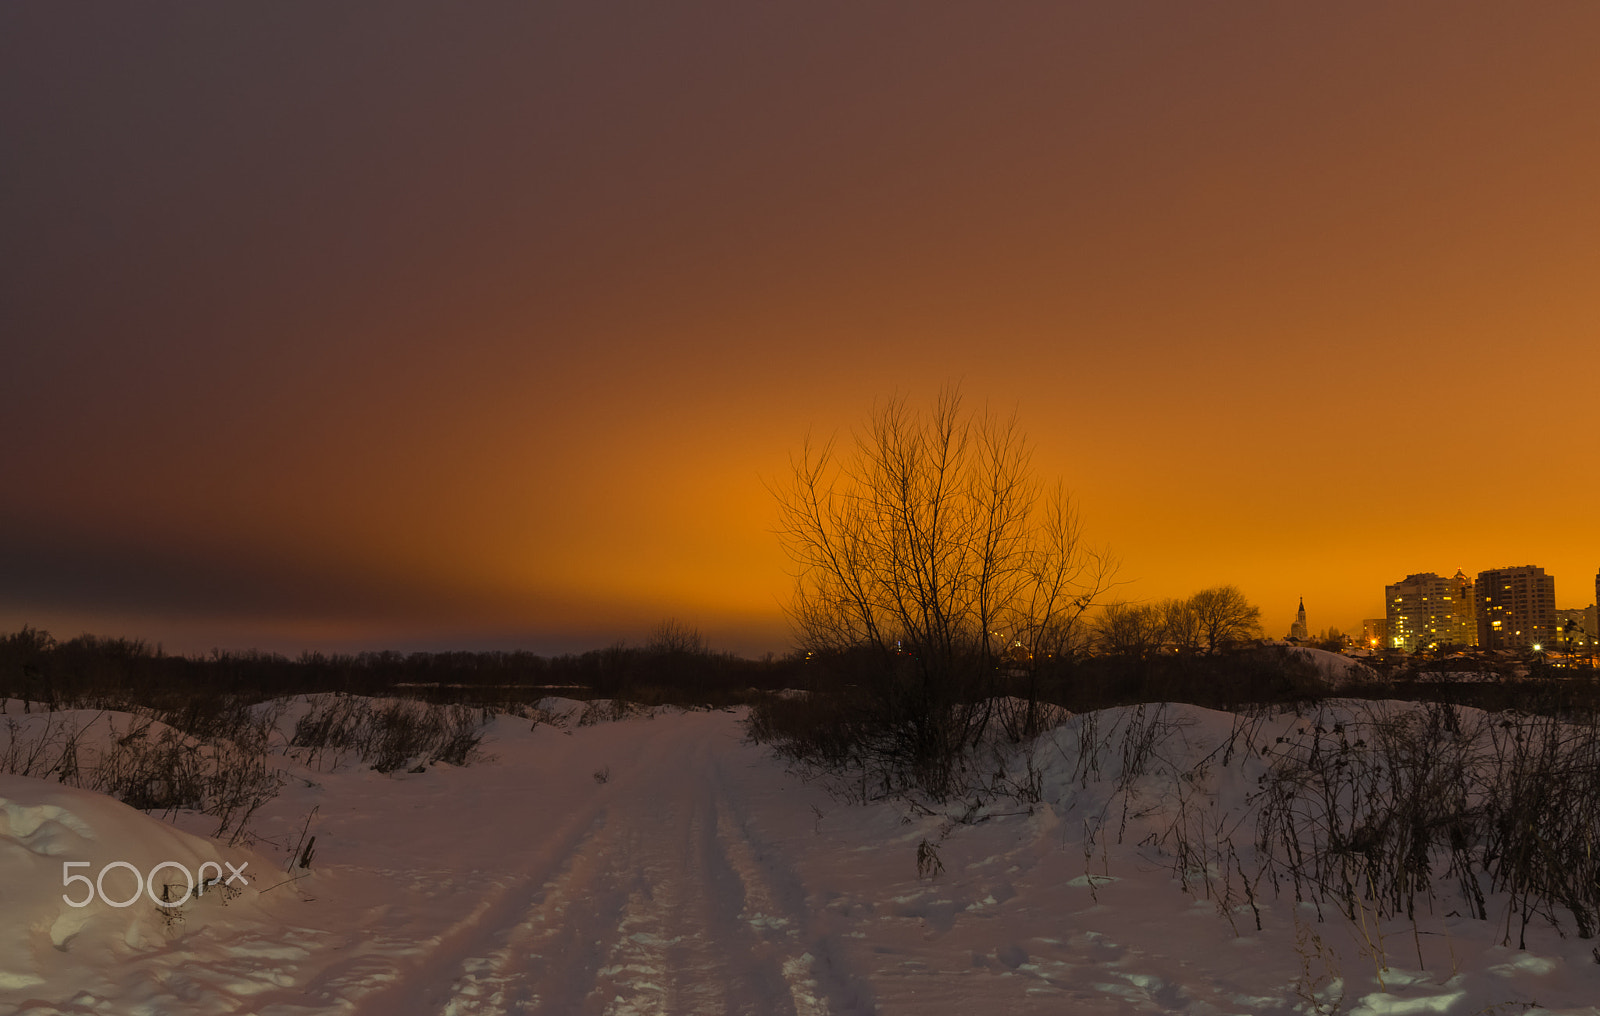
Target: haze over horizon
(404, 326)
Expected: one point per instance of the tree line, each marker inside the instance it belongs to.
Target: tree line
(1211, 621)
(674, 664)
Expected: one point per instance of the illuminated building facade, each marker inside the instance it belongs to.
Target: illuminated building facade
(1516, 608)
(1375, 630)
(1428, 610)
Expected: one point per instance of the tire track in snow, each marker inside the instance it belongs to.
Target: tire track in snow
(580, 939)
(425, 983)
(679, 945)
(775, 905)
(664, 960)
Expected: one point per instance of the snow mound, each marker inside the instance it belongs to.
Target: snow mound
(60, 846)
(1336, 668)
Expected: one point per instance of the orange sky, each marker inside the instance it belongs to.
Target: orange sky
(405, 326)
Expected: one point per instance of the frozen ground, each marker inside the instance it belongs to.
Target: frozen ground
(664, 865)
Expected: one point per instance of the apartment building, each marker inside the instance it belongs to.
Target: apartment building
(1516, 608)
(1427, 610)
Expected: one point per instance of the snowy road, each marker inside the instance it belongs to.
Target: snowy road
(532, 885)
(647, 895)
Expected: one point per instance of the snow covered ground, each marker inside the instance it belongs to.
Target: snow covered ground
(662, 864)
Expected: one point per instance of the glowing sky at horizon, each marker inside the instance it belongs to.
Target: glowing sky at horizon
(396, 325)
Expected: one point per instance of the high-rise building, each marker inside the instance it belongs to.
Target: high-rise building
(1516, 608)
(1579, 629)
(1574, 630)
(1427, 610)
(1594, 622)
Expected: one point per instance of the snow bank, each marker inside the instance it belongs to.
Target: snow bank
(60, 846)
(1336, 668)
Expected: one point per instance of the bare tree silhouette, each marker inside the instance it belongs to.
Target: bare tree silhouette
(931, 546)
